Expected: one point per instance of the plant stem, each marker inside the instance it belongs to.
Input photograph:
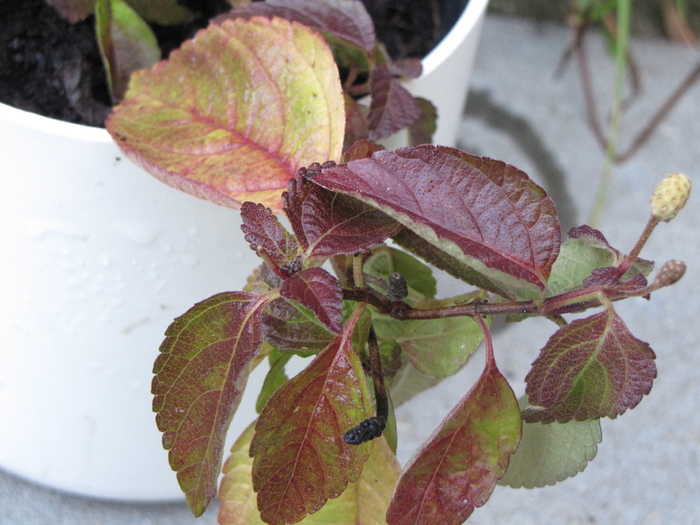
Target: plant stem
(621, 49)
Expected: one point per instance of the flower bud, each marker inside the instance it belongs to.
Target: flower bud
(670, 273)
(670, 196)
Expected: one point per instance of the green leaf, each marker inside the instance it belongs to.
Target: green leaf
(436, 347)
(238, 500)
(301, 459)
(408, 383)
(590, 368)
(233, 114)
(126, 42)
(457, 468)
(199, 380)
(385, 260)
(577, 259)
(552, 452)
(274, 379)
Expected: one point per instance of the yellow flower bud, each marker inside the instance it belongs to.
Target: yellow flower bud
(670, 196)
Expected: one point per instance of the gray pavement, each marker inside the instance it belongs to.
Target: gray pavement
(647, 470)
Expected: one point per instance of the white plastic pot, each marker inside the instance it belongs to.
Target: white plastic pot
(96, 259)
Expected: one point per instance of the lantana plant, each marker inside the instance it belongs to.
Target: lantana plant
(257, 114)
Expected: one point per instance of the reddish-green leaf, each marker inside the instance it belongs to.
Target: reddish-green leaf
(269, 238)
(422, 130)
(126, 42)
(457, 469)
(355, 124)
(290, 326)
(590, 368)
(301, 459)
(346, 20)
(233, 114)
(365, 501)
(327, 224)
(73, 10)
(320, 292)
(393, 107)
(199, 380)
(362, 149)
(487, 216)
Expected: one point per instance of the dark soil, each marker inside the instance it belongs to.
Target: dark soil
(51, 67)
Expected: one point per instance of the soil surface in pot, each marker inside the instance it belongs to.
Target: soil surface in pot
(51, 67)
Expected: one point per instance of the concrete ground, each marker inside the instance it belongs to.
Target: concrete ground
(647, 470)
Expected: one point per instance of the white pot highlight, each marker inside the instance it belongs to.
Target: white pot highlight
(96, 260)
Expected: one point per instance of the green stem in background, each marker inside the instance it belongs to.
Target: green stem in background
(624, 9)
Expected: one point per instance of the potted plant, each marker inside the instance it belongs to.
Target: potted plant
(97, 259)
(362, 313)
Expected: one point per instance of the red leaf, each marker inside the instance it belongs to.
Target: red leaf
(480, 211)
(301, 459)
(199, 379)
(393, 107)
(73, 10)
(265, 234)
(348, 21)
(590, 368)
(320, 292)
(327, 224)
(457, 469)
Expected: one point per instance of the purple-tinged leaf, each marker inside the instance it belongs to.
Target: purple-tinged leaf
(362, 149)
(199, 380)
(328, 224)
(422, 130)
(355, 123)
(301, 459)
(457, 469)
(590, 368)
(73, 10)
(406, 67)
(162, 12)
(609, 277)
(269, 239)
(320, 292)
(346, 20)
(480, 213)
(292, 327)
(233, 114)
(126, 43)
(393, 108)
